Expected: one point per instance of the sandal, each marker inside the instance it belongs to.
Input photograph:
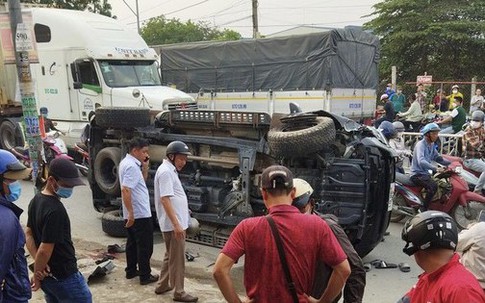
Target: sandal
(404, 267)
(367, 267)
(383, 264)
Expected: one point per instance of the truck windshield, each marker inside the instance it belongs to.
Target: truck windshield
(123, 73)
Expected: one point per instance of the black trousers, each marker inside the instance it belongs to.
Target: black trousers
(139, 247)
(429, 185)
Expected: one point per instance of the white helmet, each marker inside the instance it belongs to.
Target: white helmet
(384, 96)
(194, 227)
(303, 192)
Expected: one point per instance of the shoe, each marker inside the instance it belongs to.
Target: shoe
(162, 290)
(132, 275)
(184, 297)
(150, 279)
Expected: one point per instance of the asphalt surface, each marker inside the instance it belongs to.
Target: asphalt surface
(383, 285)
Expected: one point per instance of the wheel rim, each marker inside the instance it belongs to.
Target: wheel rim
(8, 139)
(465, 215)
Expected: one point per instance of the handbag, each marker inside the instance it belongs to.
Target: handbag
(284, 264)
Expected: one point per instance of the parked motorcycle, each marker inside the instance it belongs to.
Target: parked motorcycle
(456, 199)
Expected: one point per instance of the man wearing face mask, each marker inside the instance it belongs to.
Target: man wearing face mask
(49, 238)
(398, 99)
(457, 118)
(454, 93)
(473, 141)
(14, 277)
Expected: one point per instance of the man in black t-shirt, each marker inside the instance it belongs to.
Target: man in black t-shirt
(387, 112)
(49, 238)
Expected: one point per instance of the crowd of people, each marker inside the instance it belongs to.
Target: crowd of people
(306, 255)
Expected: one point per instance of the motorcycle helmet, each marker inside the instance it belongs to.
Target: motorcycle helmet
(43, 110)
(177, 147)
(429, 229)
(398, 126)
(478, 116)
(387, 129)
(11, 168)
(303, 193)
(430, 127)
(384, 96)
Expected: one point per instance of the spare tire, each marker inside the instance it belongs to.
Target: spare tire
(122, 117)
(113, 224)
(8, 135)
(286, 142)
(106, 170)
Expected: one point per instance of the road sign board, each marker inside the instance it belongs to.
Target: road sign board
(425, 80)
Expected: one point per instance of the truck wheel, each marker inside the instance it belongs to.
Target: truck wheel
(106, 170)
(122, 117)
(113, 224)
(288, 142)
(8, 135)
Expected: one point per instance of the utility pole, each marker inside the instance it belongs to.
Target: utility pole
(255, 19)
(137, 18)
(23, 42)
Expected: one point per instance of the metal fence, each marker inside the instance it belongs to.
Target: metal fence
(450, 144)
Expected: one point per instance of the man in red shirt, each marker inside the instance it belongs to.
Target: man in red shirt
(431, 237)
(306, 241)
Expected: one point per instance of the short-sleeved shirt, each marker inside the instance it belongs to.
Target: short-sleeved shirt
(459, 118)
(306, 239)
(131, 176)
(167, 184)
(390, 113)
(50, 223)
(450, 283)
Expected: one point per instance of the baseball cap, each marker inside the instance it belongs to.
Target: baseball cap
(66, 171)
(276, 176)
(11, 168)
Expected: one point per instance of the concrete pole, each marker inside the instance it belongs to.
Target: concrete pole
(137, 18)
(394, 77)
(29, 104)
(255, 19)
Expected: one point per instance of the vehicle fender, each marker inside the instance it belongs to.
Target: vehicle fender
(469, 196)
(408, 194)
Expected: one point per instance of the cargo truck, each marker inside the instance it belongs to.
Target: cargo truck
(81, 61)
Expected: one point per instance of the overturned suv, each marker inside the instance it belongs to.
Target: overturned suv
(349, 165)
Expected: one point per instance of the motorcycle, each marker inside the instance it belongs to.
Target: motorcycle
(455, 199)
(82, 158)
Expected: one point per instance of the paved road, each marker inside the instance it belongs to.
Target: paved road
(383, 285)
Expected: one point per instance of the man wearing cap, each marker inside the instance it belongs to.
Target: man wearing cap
(306, 240)
(173, 216)
(454, 93)
(49, 237)
(388, 111)
(133, 171)
(14, 277)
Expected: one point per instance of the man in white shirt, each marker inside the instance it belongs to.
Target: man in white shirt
(173, 216)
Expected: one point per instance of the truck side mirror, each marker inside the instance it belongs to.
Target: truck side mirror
(77, 85)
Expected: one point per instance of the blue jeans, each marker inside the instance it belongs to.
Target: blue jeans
(72, 289)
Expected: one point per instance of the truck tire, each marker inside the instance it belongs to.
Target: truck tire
(285, 142)
(106, 170)
(8, 136)
(122, 117)
(113, 224)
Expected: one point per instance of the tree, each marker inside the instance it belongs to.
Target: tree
(444, 38)
(159, 30)
(96, 6)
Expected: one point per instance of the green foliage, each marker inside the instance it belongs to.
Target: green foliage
(160, 30)
(444, 38)
(96, 6)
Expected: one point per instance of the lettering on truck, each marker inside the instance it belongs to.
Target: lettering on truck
(355, 105)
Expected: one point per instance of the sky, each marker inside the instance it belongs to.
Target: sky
(273, 15)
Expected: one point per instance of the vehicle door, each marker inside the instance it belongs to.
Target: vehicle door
(87, 89)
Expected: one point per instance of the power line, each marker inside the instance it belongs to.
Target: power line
(175, 11)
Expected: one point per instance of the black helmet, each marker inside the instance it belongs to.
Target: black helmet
(478, 115)
(177, 147)
(429, 229)
(398, 126)
(43, 110)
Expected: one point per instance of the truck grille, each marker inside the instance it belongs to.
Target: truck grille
(183, 105)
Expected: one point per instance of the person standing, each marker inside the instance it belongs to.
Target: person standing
(14, 276)
(431, 237)
(398, 99)
(133, 172)
(421, 97)
(423, 156)
(173, 216)
(389, 91)
(476, 101)
(306, 240)
(474, 145)
(49, 238)
(355, 285)
(457, 117)
(454, 93)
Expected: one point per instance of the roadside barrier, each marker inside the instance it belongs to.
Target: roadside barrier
(449, 144)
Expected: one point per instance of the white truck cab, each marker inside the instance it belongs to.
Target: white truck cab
(87, 60)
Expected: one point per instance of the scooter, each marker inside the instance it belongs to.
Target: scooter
(463, 205)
